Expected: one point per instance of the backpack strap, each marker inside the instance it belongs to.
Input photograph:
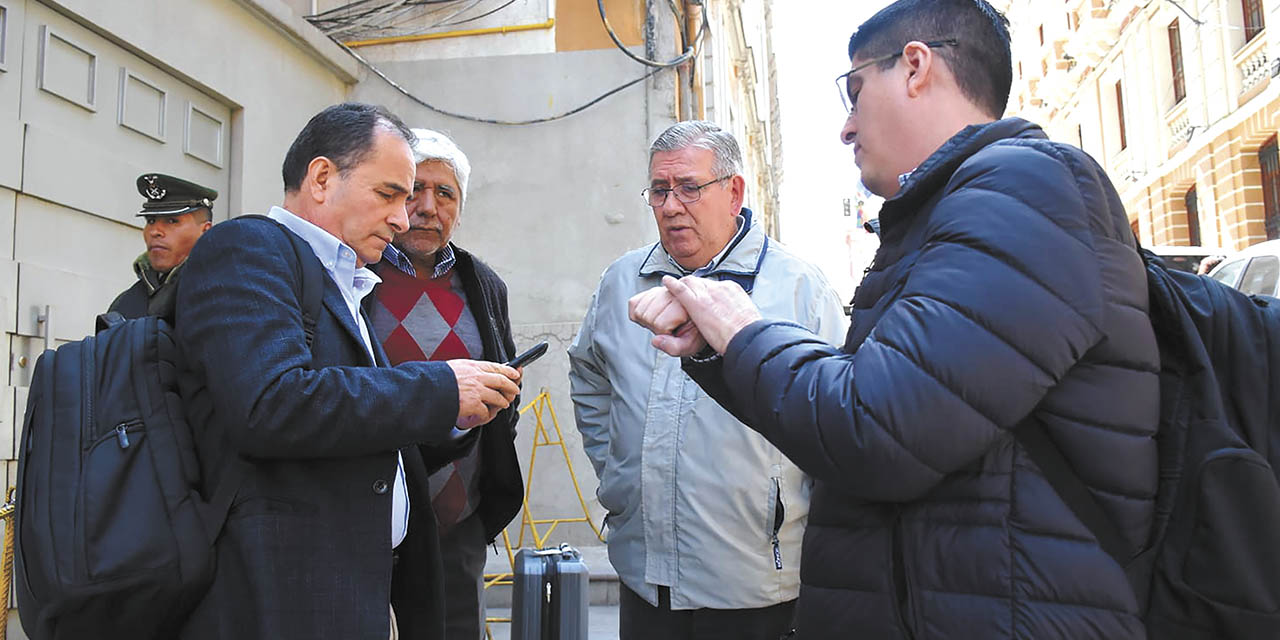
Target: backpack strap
(1066, 482)
(1068, 485)
(312, 291)
(312, 276)
(107, 320)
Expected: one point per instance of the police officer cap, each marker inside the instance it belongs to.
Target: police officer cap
(170, 196)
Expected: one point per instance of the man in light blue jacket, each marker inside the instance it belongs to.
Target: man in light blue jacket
(705, 517)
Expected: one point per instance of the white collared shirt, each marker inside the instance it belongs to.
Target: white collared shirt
(355, 283)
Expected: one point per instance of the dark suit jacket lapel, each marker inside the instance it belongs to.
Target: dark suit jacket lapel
(338, 307)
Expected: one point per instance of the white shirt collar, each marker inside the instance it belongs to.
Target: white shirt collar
(338, 259)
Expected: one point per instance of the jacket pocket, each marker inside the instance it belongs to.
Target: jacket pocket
(119, 477)
(1230, 559)
(777, 515)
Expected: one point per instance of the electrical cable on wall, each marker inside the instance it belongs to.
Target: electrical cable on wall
(474, 18)
(363, 17)
(656, 66)
(1189, 17)
(688, 54)
(408, 94)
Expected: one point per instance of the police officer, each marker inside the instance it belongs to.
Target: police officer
(178, 212)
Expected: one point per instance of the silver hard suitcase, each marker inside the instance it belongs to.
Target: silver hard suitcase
(549, 595)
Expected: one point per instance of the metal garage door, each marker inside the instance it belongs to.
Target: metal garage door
(80, 118)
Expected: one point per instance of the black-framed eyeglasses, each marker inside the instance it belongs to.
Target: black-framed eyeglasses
(850, 98)
(686, 193)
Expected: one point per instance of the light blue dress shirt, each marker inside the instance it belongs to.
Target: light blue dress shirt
(355, 283)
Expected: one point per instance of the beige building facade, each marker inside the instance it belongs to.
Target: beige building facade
(1176, 100)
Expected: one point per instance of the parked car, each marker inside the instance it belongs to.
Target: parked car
(1253, 270)
(1185, 258)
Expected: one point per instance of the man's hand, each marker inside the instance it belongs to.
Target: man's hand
(484, 389)
(658, 311)
(717, 309)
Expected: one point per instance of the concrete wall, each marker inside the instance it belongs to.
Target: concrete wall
(231, 81)
(549, 207)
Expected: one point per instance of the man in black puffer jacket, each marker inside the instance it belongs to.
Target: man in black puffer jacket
(1006, 291)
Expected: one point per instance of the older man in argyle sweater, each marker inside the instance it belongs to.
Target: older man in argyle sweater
(437, 302)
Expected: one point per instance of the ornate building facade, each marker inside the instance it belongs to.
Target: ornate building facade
(1176, 99)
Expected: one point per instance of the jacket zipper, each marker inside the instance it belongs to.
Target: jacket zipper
(779, 515)
(901, 587)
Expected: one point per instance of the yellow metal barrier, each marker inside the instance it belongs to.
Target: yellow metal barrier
(6, 569)
(541, 438)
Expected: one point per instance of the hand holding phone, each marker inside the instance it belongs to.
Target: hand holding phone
(528, 356)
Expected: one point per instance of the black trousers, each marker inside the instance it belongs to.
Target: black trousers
(462, 550)
(639, 620)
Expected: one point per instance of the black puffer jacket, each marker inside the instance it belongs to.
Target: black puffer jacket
(1006, 289)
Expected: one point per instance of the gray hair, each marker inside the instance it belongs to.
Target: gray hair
(433, 145)
(702, 135)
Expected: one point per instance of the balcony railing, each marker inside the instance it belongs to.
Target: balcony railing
(1180, 129)
(1252, 62)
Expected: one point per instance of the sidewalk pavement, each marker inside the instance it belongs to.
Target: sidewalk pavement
(602, 617)
(602, 623)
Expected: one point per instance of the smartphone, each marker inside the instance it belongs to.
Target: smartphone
(528, 356)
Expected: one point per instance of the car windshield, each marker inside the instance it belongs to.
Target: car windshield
(1228, 273)
(1261, 276)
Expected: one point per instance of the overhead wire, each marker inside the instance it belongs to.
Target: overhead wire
(410, 95)
(474, 18)
(655, 66)
(1193, 19)
(683, 58)
(461, 11)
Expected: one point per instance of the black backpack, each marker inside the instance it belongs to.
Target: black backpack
(114, 538)
(1211, 568)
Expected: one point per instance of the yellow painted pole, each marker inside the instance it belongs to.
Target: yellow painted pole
(551, 22)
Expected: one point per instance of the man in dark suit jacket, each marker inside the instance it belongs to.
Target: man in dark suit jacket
(331, 534)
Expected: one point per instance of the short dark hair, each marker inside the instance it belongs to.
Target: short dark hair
(342, 133)
(980, 61)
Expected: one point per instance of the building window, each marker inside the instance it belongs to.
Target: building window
(1175, 62)
(1193, 218)
(1269, 160)
(1124, 140)
(1252, 18)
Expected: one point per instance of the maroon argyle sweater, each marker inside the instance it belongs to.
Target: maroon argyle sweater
(430, 320)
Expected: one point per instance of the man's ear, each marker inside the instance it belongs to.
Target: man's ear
(320, 178)
(921, 63)
(738, 185)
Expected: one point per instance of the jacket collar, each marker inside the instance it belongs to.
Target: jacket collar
(933, 174)
(740, 264)
(150, 277)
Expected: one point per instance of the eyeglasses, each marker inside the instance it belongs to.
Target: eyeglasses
(686, 193)
(850, 98)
